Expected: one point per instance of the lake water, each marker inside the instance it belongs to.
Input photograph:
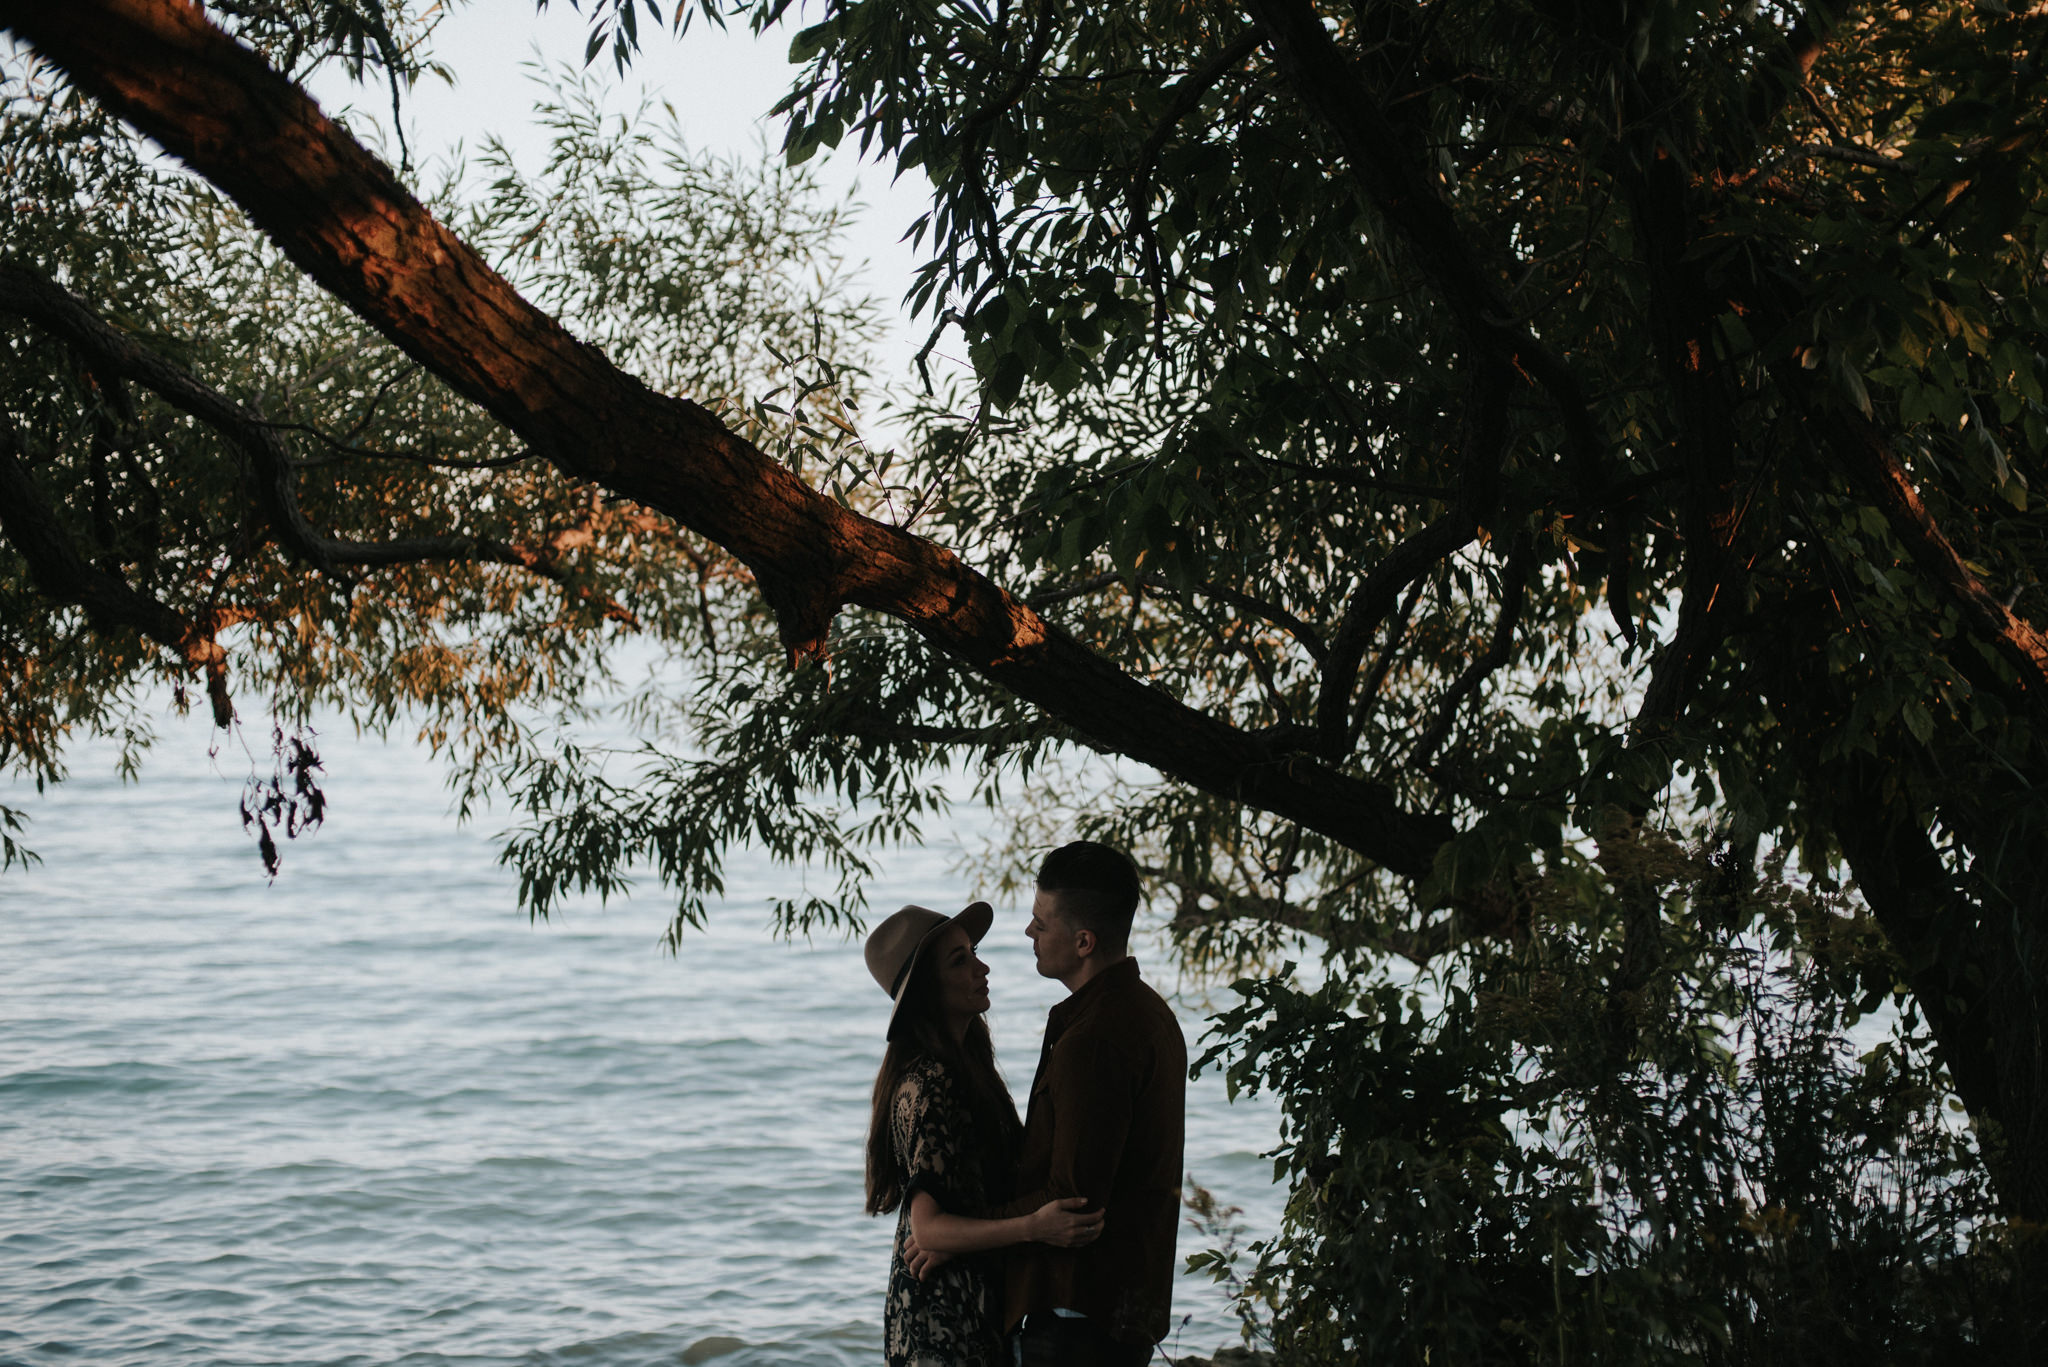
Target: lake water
(370, 1115)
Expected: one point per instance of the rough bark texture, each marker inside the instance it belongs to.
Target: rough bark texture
(345, 220)
(1975, 965)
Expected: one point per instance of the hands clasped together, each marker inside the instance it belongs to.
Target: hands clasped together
(1063, 1223)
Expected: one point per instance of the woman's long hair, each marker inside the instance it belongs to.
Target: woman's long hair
(921, 1034)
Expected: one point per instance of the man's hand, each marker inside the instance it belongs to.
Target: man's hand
(922, 1262)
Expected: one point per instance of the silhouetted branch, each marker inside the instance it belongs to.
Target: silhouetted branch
(57, 310)
(1203, 905)
(61, 574)
(341, 215)
(1514, 585)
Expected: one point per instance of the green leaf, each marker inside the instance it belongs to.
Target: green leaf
(809, 42)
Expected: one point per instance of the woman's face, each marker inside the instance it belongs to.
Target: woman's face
(963, 977)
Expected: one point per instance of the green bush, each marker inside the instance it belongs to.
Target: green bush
(1543, 1155)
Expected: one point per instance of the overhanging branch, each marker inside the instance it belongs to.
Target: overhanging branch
(343, 218)
(1486, 445)
(58, 311)
(1201, 906)
(1514, 588)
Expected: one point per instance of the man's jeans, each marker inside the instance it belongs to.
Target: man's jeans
(1053, 1341)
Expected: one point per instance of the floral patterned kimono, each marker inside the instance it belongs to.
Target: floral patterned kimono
(954, 1319)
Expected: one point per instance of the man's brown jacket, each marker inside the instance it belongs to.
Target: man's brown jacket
(1105, 1122)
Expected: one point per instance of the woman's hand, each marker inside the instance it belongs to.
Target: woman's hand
(1064, 1224)
(922, 1262)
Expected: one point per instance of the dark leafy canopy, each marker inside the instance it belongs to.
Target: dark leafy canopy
(1545, 409)
(1568, 415)
(1589, 421)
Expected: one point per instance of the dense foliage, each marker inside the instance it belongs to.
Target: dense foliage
(1614, 430)
(1512, 1163)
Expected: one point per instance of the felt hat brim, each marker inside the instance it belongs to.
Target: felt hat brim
(898, 943)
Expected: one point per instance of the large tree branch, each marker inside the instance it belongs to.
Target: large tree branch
(542, 561)
(59, 311)
(1378, 592)
(1862, 452)
(1988, 1030)
(342, 217)
(1375, 600)
(1514, 592)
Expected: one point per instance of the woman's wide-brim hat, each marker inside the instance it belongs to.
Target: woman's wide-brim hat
(895, 946)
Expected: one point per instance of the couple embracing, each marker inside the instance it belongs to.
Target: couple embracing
(1059, 1231)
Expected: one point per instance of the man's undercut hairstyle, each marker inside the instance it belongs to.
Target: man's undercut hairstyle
(1098, 890)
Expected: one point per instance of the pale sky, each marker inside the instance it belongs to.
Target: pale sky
(721, 84)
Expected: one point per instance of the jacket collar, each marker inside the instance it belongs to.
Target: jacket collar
(1110, 981)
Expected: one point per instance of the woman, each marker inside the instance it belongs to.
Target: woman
(941, 1141)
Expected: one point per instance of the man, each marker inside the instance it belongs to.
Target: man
(1105, 1122)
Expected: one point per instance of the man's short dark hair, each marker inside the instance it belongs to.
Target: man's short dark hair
(1098, 889)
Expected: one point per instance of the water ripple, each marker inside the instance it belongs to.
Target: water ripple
(370, 1115)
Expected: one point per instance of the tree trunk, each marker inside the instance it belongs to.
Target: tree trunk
(1976, 968)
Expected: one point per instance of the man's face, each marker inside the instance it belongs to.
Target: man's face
(1053, 938)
